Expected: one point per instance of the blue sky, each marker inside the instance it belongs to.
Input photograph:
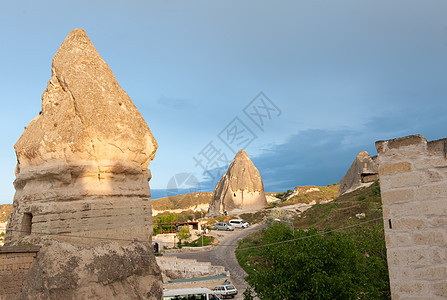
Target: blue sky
(342, 75)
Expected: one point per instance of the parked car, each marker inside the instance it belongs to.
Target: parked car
(223, 226)
(193, 293)
(226, 290)
(239, 223)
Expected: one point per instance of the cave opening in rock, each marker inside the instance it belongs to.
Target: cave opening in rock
(27, 223)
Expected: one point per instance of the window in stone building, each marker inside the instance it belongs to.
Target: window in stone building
(27, 223)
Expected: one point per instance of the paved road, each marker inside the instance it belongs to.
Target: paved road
(224, 255)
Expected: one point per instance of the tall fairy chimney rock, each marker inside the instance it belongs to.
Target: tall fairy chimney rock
(363, 172)
(82, 188)
(82, 162)
(241, 187)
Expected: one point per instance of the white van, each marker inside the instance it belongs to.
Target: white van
(190, 294)
(239, 223)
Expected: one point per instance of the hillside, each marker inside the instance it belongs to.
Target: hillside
(5, 210)
(308, 194)
(343, 210)
(182, 202)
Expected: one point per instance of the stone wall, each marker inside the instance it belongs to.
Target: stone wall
(14, 265)
(165, 240)
(413, 180)
(177, 268)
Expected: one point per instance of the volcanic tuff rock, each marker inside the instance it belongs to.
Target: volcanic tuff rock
(363, 172)
(241, 187)
(106, 271)
(82, 177)
(86, 116)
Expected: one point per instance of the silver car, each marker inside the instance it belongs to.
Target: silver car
(223, 226)
(226, 290)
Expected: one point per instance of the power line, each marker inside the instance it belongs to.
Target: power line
(309, 236)
(227, 245)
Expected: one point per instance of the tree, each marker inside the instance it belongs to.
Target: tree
(170, 218)
(184, 233)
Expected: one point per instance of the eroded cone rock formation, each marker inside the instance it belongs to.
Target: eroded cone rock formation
(240, 188)
(363, 172)
(82, 185)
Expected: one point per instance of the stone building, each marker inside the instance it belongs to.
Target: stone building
(413, 181)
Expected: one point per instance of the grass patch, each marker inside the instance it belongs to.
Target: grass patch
(207, 240)
(342, 211)
(308, 194)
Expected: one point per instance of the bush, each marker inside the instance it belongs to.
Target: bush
(336, 265)
(376, 189)
(184, 233)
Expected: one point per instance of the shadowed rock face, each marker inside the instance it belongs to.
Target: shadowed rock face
(362, 172)
(241, 187)
(81, 184)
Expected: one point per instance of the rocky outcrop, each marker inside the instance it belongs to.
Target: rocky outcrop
(106, 271)
(82, 179)
(241, 187)
(363, 172)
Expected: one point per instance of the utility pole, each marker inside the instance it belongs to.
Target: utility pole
(201, 227)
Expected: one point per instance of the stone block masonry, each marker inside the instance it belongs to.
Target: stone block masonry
(14, 265)
(413, 182)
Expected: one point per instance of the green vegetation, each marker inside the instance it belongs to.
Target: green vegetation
(184, 233)
(170, 218)
(308, 194)
(207, 240)
(189, 215)
(342, 211)
(284, 194)
(334, 265)
(319, 263)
